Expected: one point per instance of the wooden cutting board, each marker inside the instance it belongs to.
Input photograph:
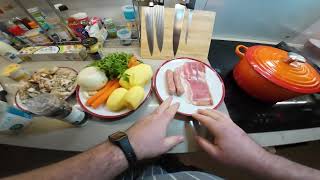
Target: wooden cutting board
(200, 34)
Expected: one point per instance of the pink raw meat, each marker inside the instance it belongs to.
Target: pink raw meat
(194, 76)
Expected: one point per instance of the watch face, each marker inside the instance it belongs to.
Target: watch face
(118, 136)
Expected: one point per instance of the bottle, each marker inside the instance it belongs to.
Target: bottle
(50, 105)
(9, 52)
(111, 28)
(13, 119)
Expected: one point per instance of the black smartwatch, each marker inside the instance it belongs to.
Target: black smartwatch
(121, 140)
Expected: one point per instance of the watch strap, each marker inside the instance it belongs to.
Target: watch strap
(128, 151)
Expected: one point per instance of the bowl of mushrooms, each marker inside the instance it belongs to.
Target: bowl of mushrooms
(59, 81)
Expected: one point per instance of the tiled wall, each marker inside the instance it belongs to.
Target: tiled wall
(268, 20)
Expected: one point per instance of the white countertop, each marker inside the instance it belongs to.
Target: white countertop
(48, 133)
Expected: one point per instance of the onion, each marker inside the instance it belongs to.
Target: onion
(92, 79)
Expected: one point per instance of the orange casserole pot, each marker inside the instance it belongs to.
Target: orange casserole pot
(272, 75)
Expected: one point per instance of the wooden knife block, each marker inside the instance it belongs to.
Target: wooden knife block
(200, 34)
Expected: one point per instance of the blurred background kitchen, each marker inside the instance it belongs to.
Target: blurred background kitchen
(270, 21)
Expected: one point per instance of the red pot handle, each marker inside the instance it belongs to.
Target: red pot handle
(241, 50)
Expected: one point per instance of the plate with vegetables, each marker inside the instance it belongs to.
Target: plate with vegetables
(114, 86)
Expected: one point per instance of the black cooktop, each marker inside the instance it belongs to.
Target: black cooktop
(253, 115)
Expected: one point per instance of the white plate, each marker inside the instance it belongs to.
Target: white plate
(104, 113)
(215, 83)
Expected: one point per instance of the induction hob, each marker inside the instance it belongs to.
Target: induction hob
(253, 115)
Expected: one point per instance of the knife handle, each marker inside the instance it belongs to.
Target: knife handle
(159, 2)
(191, 4)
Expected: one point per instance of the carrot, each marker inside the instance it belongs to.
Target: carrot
(133, 62)
(104, 97)
(100, 92)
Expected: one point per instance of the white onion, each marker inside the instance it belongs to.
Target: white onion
(92, 79)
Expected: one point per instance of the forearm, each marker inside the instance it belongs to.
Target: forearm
(272, 166)
(102, 162)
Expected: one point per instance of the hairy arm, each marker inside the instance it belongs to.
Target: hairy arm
(233, 147)
(276, 167)
(104, 161)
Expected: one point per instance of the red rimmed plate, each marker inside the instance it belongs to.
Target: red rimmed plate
(102, 111)
(215, 83)
(20, 105)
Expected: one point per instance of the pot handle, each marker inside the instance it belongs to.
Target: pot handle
(241, 50)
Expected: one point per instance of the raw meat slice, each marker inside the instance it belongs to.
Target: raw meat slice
(177, 81)
(194, 76)
(170, 82)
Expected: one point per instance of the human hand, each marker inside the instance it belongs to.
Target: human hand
(148, 135)
(231, 145)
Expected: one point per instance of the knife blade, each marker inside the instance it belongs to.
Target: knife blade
(190, 6)
(188, 25)
(159, 11)
(177, 26)
(149, 26)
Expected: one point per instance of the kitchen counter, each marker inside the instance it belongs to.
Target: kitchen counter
(49, 133)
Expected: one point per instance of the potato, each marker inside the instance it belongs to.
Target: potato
(116, 101)
(134, 97)
(137, 76)
(123, 83)
(147, 70)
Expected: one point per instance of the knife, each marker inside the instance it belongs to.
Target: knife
(159, 13)
(149, 25)
(190, 6)
(177, 26)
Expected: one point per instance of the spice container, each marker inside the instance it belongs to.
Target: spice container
(111, 28)
(39, 17)
(94, 47)
(125, 36)
(51, 106)
(128, 13)
(132, 26)
(15, 72)
(36, 37)
(81, 18)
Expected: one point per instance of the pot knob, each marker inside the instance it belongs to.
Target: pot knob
(294, 57)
